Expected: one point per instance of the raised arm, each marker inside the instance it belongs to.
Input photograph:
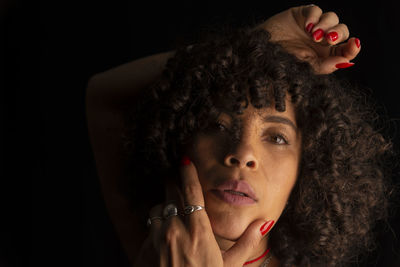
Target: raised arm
(106, 93)
(121, 85)
(109, 91)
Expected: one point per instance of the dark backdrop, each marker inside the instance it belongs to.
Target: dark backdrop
(50, 51)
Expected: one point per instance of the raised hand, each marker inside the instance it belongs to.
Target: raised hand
(189, 240)
(314, 36)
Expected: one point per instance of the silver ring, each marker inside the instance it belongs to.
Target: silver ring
(170, 210)
(189, 209)
(150, 220)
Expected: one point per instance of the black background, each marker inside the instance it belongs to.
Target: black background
(52, 211)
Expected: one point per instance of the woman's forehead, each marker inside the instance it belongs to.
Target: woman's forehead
(251, 113)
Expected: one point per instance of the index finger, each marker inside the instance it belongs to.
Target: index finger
(311, 13)
(192, 192)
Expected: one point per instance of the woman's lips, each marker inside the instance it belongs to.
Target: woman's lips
(239, 186)
(233, 197)
(235, 192)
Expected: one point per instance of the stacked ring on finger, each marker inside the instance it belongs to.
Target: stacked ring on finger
(189, 209)
(170, 210)
(150, 220)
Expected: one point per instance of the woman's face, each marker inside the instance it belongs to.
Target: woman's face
(266, 158)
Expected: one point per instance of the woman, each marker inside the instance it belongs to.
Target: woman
(280, 166)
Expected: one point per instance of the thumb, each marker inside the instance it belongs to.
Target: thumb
(239, 253)
(341, 56)
(333, 63)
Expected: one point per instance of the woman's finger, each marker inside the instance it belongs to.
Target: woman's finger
(312, 13)
(147, 256)
(164, 257)
(174, 195)
(155, 222)
(193, 194)
(327, 21)
(248, 242)
(340, 56)
(155, 217)
(175, 236)
(337, 34)
(348, 50)
(333, 63)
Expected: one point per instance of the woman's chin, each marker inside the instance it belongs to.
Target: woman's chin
(225, 239)
(228, 229)
(228, 222)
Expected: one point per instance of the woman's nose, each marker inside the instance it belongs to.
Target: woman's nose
(242, 157)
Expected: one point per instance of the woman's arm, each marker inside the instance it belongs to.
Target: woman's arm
(109, 91)
(106, 93)
(120, 85)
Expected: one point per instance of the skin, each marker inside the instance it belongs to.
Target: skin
(289, 28)
(272, 173)
(266, 156)
(199, 239)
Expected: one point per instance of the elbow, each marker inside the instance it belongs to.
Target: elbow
(92, 90)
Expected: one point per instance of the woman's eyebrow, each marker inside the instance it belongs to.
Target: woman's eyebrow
(280, 119)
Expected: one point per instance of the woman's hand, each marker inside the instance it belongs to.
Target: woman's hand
(189, 240)
(314, 36)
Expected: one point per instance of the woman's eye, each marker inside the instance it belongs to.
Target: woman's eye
(220, 127)
(217, 128)
(278, 139)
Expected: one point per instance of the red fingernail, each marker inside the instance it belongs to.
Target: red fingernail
(309, 27)
(318, 34)
(185, 160)
(333, 36)
(265, 227)
(358, 43)
(344, 65)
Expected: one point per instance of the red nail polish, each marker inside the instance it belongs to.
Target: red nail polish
(333, 36)
(265, 227)
(344, 65)
(318, 34)
(185, 160)
(358, 43)
(309, 27)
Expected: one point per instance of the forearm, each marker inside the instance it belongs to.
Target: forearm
(106, 94)
(122, 84)
(105, 127)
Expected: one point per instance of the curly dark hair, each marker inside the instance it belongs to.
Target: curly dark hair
(343, 186)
